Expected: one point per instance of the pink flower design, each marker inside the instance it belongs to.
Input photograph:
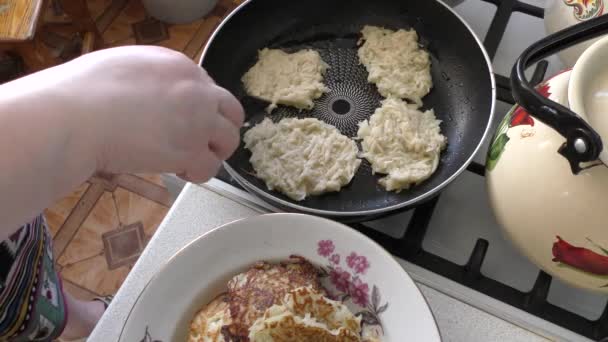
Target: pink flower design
(340, 279)
(359, 291)
(326, 247)
(358, 263)
(335, 259)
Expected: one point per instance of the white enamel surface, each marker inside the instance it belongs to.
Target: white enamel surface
(559, 16)
(200, 271)
(536, 197)
(588, 90)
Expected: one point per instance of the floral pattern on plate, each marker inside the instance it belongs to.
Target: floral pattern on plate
(148, 337)
(347, 282)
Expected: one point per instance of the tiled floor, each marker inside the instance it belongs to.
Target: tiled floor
(101, 228)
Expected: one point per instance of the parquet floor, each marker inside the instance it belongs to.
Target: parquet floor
(101, 228)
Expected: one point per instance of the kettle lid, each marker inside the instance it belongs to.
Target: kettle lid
(588, 90)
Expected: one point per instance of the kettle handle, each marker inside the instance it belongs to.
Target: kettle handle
(583, 143)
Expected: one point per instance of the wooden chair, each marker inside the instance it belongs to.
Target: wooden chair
(22, 29)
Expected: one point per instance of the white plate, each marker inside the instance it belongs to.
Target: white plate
(200, 271)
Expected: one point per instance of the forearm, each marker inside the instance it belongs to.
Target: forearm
(45, 151)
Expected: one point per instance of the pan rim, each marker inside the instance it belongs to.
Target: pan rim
(418, 199)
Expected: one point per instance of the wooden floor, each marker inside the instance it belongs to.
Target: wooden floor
(101, 228)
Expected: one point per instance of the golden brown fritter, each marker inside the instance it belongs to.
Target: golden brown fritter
(251, 293)
(289, 330)
(307, 316)
(208, 322)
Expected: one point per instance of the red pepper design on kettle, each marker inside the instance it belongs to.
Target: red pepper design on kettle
(580, 258)
(521, 116)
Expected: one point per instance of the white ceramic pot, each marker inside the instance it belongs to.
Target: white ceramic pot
(555, 215)
(178, 11)
(560, 14)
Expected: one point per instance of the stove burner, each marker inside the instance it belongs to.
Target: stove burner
(341, 106)
(351, 98)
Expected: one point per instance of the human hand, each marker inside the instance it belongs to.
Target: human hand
(150, 109)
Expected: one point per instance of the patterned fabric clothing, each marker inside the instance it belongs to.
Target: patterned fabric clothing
(32, 304)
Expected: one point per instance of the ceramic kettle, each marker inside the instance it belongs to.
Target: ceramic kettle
(547, 166)
(560, 14)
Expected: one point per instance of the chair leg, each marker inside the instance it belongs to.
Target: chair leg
(88, 42)
(11, 66)
(36, 56)
(79, 12)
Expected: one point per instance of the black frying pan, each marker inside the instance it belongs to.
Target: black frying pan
(463, 93)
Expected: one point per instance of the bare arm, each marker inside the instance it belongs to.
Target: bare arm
(44, 151)
(130, 109)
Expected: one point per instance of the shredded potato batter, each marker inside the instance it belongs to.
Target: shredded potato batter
(401, 142)
(306, 315)
(395, 63)
(301, 157)
(292, 79)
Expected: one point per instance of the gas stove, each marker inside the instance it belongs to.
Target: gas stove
(453, 242)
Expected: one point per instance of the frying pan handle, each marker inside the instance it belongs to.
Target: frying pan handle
(583, 143)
